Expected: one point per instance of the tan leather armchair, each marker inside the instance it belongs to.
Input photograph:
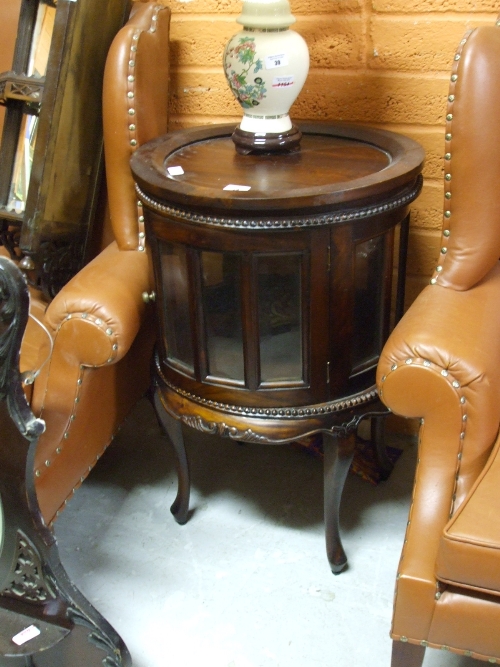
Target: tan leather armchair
(442, 365)
(98, 332)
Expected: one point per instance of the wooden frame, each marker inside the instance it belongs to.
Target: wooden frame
(54, 229)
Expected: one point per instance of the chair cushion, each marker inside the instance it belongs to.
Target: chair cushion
(469, 551)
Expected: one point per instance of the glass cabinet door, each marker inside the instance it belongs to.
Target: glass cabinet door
(236, 316)
(280, 309)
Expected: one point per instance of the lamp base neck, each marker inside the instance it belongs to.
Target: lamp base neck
(267, 142)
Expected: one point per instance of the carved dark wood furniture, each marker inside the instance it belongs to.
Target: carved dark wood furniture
(274, 279)
(51, 163)
(44, 620)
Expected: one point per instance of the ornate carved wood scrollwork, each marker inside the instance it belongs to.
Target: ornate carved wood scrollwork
(36, 595)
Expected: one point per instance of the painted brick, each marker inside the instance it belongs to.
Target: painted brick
(417, 44)
(327, 95)
(414, 285)
(200, 42)
(372, 98)
(432, 141)
(202, 93)
(338, 42)
(335, 42)
(423, 251)
(305, 7)
(439, 6)
(427, 209)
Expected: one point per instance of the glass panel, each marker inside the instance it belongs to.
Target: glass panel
(369, 281)
(280, 330)
(22, 166)
(42, 38)
(222, 310)
(174, 275)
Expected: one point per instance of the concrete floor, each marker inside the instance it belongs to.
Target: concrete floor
(245, 583)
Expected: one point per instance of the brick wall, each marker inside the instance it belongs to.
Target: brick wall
(385, 63)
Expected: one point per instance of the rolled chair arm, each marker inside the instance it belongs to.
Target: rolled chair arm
(442, 362)
(101, 308)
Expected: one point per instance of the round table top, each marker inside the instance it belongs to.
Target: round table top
(336, 164)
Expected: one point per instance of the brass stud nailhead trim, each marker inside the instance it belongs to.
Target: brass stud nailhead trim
(447, 195)
(447, 214)
(447, 136)
(446, 232)
(449, 116)
(454, 77)
(447, 177)
(444, 251)
(447, 156)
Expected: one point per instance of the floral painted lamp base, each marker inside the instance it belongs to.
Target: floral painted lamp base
(266, 66)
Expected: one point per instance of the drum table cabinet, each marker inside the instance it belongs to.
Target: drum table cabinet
(275, 287)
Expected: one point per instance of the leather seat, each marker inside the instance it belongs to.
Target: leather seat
(96, 336)
(442, 365)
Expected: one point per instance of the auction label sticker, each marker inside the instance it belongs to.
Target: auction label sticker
(175, 171)
(25, 635)
(283, 81)
(280, 60)
(237, 188)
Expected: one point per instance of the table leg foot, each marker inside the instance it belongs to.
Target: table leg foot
(338, 455)
(173, 428)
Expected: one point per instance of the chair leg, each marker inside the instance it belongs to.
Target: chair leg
(338, 454)
(173, 428)
(385, 464)
(405, 654)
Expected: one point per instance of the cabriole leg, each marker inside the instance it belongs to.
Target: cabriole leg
(338, 454)
(173, 428)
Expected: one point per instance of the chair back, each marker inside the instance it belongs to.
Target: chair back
(470, 244)
(135, 110)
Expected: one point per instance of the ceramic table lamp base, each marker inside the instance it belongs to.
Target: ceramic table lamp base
(266, 65)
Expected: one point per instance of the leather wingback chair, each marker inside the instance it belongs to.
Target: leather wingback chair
(442, 365)
(98, 332)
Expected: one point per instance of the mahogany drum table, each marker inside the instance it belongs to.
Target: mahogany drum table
(274, 286)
